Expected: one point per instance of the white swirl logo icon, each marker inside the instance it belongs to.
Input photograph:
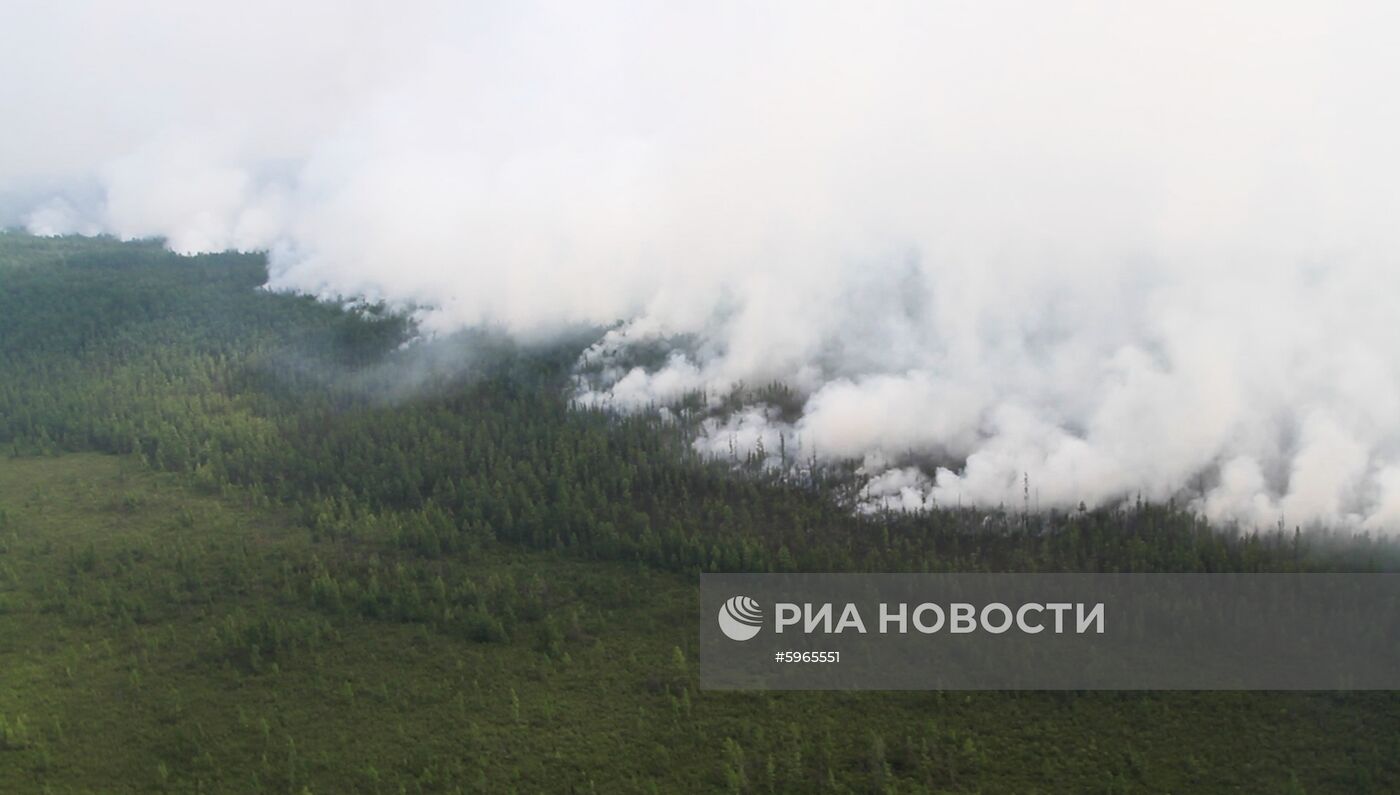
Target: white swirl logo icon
(740, 618)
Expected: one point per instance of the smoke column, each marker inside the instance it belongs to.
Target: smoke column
(1118, 248)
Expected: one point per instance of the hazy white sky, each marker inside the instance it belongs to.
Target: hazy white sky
(1121, 247)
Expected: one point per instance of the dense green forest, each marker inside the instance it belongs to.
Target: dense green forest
(252, 541)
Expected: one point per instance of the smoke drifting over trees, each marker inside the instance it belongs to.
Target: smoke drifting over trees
(1125, 250)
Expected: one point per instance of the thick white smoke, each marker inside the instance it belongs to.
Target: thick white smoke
(1118, 248)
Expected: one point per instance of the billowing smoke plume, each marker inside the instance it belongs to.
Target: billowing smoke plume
(1115, 248)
